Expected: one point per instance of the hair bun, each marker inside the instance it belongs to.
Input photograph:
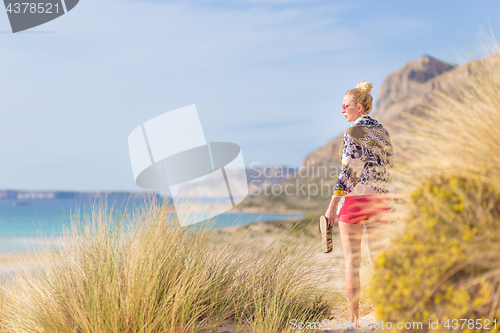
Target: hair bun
(365, 86)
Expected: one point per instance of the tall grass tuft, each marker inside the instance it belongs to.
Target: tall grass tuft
(445, 262)
(151, 275)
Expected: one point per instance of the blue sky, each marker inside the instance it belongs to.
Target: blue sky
(268, 75)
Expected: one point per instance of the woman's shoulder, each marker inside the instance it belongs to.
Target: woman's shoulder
(356, 132)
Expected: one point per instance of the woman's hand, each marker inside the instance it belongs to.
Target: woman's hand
(331, 216)
(331, 212)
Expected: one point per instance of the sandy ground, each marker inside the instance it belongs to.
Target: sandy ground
(13, 261)
(204, 208)
(333, 263)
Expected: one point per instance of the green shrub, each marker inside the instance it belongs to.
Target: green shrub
(446, 264)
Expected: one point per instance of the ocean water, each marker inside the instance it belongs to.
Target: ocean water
(28, 224)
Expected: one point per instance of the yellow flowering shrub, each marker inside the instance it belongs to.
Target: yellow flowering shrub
(446, 264)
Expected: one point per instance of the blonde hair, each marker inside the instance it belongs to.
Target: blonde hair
(361, 95)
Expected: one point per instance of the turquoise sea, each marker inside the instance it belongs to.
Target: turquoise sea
(25, 224)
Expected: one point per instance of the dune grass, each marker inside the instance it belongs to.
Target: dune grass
(151, 275)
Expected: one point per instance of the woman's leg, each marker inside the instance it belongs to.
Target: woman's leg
(377, 237)
(350, 235)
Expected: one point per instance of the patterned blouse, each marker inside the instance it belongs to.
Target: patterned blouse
(365, 159)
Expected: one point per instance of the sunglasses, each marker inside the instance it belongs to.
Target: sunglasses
(346, 106)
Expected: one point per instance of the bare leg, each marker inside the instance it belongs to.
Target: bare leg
(376, 237)
(350, 235)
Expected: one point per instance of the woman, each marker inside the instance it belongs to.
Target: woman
(366, 159)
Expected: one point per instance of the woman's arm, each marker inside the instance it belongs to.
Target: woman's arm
(351, 165)
(331, 212)
(350, 169)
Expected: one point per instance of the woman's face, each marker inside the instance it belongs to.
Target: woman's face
(351, 111)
